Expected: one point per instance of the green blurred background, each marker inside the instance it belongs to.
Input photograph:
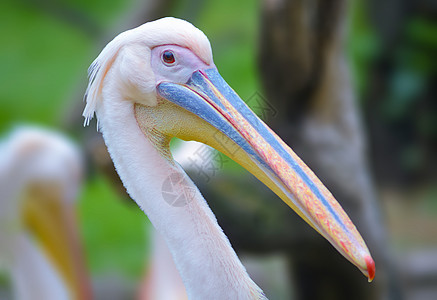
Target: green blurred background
(48, 45)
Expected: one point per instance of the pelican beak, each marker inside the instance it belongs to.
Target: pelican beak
(52, 223)
(223, 121)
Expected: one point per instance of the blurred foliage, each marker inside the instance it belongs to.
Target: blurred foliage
(414, 62)
(115, 233)
(41, 60)
(393, 54)
(362, 44)
(414, 57)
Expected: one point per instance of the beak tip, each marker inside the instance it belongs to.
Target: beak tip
(370, 267)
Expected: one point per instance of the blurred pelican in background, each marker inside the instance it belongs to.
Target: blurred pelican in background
(162, 280)
(40, 175)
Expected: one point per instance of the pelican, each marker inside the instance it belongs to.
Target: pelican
(40, 174)
(159, 81)
(162, 279)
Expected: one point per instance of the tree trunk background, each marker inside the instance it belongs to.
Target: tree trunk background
(306, 78)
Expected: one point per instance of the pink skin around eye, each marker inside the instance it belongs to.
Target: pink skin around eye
(186, 63)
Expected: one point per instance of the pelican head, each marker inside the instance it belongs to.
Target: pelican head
(164, 70)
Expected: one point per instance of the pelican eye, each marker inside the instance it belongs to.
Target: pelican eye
(168, 57)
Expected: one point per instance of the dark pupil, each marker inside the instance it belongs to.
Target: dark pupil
(168, 57)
